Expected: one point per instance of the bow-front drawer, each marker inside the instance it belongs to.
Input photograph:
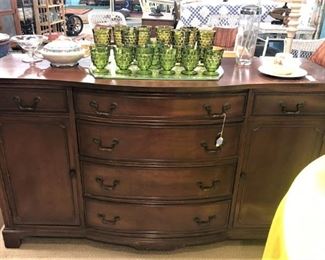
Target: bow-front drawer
(33, 100)
(107, 105)
(157, 218)
(169, 144)
(289, 104)
(158, 183)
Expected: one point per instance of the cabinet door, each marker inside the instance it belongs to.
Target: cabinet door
(274, 155)
(37, 163)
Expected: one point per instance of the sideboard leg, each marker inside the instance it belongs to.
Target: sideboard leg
(11, 239)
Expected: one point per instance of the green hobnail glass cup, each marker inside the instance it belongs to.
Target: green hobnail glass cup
(181, 38)
(156, 55)
(144, 33)
(205, 41)
(167, 60)
(212, 61)
(192, 36)
(123, 58)
(164, 34)
(102, 36)
(130, 36)
(206, 37)
(190, 60)
(144, 55)
(99, 58)
(117, 33)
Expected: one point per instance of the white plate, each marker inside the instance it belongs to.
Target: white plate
(298, 73)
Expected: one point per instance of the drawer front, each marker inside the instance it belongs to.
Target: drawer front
(157, 218)
(156, 143)
(33, 100)
(289, 104)
(133, 107)
(163, 183)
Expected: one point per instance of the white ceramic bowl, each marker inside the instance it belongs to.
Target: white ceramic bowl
(63, 52)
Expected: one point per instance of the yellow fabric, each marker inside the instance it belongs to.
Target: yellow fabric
(298, 228)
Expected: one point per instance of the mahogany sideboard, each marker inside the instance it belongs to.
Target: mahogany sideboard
(134, 162)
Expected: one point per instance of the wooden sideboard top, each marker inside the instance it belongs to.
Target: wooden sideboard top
(234, 78)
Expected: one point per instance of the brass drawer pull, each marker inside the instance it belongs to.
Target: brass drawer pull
(95, 106)
(105, 221)
(208, 109)
(100, 181)
(215, 149)
(208, 188)
(23, 107)
(198, 221)
(284, 109)
(105, 148)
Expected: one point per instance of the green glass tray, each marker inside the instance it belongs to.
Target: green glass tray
(155, 75)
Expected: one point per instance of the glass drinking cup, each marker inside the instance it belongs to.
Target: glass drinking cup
(192, 36)
(212, 61)
(181, 38)
(190, 60)
(156, 56)
(164, 34)
(168, 60)
(30, 43)
(144, 57)
(144, 33)
(99, 58)
(123, 58)
(102, 36)
(117, 33)
(130, 36)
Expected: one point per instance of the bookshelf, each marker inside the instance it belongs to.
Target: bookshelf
(49, 16)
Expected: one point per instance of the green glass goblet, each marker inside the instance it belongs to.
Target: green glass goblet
(144, 33)
(123, 58)
(156, 56)
(212, 61)
(190, 60)
(117, 33)
(206, 37)
(144, 57)
(164, 34)
(192, 36)
(99, 58)
(168, 60)
(181, 38)
(102, 36)
(130, 36)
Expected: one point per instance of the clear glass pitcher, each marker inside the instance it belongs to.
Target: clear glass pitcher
(246, 38)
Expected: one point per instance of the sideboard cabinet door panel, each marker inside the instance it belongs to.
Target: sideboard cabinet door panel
(274, 155)
(37, 165)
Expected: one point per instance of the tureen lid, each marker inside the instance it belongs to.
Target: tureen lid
(4, 37)
(62, 45)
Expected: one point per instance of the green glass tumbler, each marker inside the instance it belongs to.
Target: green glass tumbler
(192, 36)
(190, 60)
(156, 55)
(144, 33)
(181, 38)
(212, 61)
(117, 33)
(168, 60)
(130, 36)
(144, 57)
(102, 36)
(123, 58)
(164, 34)
(206, 38)
(99, 58)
